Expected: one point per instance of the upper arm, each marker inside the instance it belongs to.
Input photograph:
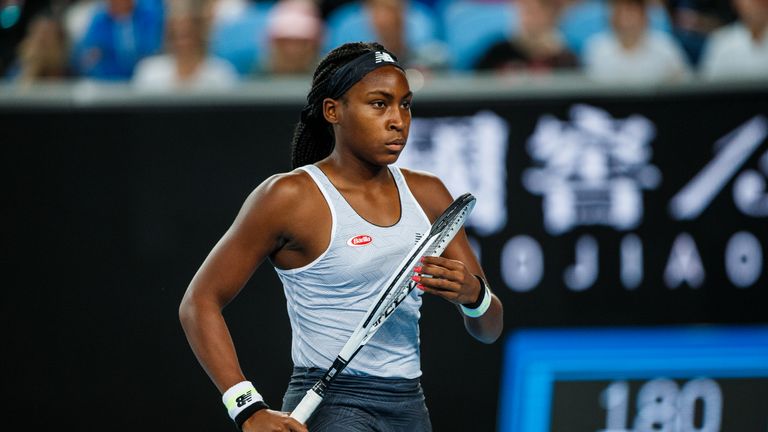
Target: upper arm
(434, 198)
(257, 231)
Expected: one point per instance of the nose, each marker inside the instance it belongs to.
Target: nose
(397, 120)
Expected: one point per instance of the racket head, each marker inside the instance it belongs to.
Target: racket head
(442, 232)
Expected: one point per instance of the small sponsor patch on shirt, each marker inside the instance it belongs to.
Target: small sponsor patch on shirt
(360, 240)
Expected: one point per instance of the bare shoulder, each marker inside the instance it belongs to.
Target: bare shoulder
(429, 191)
(280, 195)
(285, 185)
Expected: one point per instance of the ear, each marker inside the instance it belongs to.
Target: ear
(332, 110)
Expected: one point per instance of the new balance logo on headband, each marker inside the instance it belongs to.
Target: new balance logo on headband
(384, 57)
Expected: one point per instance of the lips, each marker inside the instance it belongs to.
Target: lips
(398, 143)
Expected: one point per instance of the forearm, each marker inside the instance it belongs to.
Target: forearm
(488, 327)
(210, 340)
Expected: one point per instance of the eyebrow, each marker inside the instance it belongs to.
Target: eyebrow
(388, 94)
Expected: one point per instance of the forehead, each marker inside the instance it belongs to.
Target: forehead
(388, 78)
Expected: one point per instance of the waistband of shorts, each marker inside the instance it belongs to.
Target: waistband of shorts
(308, 376)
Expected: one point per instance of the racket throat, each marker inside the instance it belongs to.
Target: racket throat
(338, 365)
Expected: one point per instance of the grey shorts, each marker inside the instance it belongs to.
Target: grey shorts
(361, 404)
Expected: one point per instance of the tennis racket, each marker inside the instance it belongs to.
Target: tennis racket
(393, 293)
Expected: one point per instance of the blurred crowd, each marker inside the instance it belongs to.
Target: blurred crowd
(166, 44)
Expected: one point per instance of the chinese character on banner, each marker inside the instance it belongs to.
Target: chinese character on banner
(469, 154)
(591, 169)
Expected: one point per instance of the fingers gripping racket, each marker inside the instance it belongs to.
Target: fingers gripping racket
(392, 294)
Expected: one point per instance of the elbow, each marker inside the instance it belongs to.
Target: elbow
(490, 330)
(490, 336)
(194, 308)
(493, 337)
(486, 335)
(186, 311)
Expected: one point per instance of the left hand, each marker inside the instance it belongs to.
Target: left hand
(447, 278)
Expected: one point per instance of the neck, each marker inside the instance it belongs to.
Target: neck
(757, 30)
(353, 171)
(630, 41)
(187, 64)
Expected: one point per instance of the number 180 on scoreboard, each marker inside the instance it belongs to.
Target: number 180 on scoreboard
(682, 379)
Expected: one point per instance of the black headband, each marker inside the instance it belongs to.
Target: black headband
(349, 74)
(346, 76)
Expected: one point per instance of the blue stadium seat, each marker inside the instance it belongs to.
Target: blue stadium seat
(242, 41)
(470, 28)
(350, 23)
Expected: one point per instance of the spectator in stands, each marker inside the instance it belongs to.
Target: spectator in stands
(42, 54)
(389, 19)
(694, 20)
(633, 52)
(294, 32)
(121, 33)
(186, 63)
(580, 20)
(77, 17)
(536, 46)
(406, 27)
(740, 50)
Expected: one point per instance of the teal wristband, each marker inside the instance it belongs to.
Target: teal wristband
(485, 302)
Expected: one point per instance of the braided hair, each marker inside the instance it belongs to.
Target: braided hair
(313, 137)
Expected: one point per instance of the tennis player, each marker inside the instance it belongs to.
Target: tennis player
(335, 229)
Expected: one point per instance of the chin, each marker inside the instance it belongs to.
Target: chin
(393, 157)
(385, 160)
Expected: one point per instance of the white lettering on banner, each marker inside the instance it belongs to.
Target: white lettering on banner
(592, 169)
(522, 263)
(684, 264)
(733, 150)
(583, 273)
(749, 190)
(631, 261)
(469, 154)
(743, 259)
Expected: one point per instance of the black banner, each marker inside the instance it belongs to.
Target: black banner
(590, 211)
(643, 211)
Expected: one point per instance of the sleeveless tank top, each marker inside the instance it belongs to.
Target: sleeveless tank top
(327, 298)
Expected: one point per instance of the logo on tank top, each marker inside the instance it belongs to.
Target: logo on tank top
(360, 240)
(418, 237)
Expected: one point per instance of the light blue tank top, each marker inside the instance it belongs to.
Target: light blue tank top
(327, 298)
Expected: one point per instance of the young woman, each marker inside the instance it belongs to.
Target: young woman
(306, 221)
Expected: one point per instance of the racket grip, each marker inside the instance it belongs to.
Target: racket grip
(307, 406)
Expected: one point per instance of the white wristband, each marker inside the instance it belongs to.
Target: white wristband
(484, 305)
(239, 397)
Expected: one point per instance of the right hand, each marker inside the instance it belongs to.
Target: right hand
(267, 420)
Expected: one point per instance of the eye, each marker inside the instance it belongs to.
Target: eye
(378, 104)
(406, 104)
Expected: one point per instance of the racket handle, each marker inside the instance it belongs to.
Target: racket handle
(307, 406)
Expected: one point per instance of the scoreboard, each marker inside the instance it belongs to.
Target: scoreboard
(673, 379)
